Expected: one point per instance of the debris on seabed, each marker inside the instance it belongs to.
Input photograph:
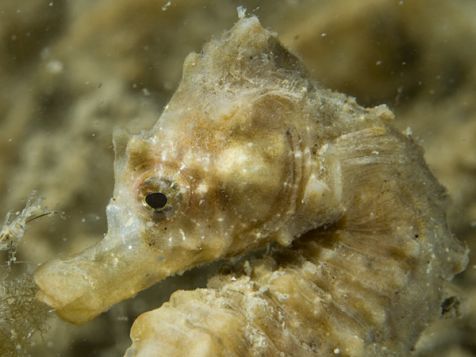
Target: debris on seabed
(13, 228)
(166, 5)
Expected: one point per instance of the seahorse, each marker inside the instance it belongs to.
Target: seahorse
(249, 154)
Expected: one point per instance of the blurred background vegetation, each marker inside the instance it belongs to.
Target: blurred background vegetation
(71, 71)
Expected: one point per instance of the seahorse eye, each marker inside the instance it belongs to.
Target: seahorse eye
(156, 200)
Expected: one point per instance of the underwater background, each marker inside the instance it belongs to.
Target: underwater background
(71, 71)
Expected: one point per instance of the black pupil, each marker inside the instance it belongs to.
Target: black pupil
(156, 200)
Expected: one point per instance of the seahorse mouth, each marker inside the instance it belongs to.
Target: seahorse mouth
(82, 286)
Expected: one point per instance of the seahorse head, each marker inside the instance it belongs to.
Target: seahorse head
(229, 167)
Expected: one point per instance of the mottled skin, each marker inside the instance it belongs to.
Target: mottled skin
(234, 159)
(365, 286)
(250, 152)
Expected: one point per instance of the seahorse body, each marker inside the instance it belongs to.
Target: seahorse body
(251, 153)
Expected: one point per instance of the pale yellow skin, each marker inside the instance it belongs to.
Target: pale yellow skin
(366, 286)
(249, 152)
